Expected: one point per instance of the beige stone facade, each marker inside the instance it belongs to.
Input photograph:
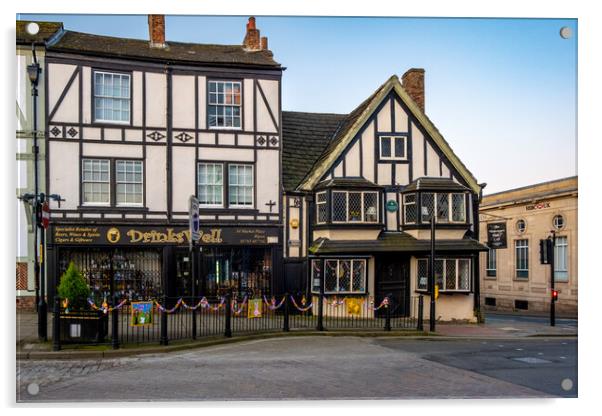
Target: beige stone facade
(515, 282)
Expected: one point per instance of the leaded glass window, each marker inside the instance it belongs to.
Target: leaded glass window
(442, 208)
(422, 274)
(451, 274)
(463, 274)
(96, 181)
(458, 207)
(321, 207)
(240, 185)
(339, 206)
(129, 182)
(370, 207)
(355, 207)
(331, 276)
(111, 97)
(224, 107)
(393, 147)
(428, 206)
(439, 271)
(409, 207)
(316, 275)
(210, 184)
(345, 276)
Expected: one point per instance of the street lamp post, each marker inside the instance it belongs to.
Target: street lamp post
(432, 275)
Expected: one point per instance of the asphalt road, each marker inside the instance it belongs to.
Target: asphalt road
(315, 368)
(500, 317)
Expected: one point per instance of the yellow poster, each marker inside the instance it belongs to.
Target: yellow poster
(255, 308)
(354, 306)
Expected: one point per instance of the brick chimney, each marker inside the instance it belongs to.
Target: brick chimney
(252, 41)
(156, 30)
(413, 82)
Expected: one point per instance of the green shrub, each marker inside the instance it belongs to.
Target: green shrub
(73, 286)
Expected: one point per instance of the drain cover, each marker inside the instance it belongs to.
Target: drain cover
(532, 360)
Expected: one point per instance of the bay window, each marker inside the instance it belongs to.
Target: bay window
(321, 207)
(446, 207)
(355, 206)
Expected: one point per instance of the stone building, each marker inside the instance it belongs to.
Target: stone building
(512, 278)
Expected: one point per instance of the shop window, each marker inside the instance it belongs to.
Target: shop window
(561, 257)
(491, 263)
(355, 206)
(224, 107)
(522, 258)
(393, 148)
(111, 97)
(450, 274)
(240, 185)
(316, 275)
(210, 184)
(344, 276)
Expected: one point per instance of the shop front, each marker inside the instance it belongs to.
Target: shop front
(143, 262)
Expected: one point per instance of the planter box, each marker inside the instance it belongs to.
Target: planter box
(83, 327)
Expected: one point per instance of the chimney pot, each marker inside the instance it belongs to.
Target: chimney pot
(251, 41)
(156, 29)
(264, 43)
(413, 82)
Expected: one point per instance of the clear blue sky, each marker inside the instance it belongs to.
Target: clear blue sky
(501, 91)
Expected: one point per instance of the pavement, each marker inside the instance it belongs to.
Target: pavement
(315, 368)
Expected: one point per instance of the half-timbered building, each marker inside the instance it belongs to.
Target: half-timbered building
(134, 128)
(360, 190)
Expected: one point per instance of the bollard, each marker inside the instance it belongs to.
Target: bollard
(286, 314)
(115, 324)
(420, 313)
(387, 317)
(56, 325)
(163, 340)
(320, 326)
(228, 329)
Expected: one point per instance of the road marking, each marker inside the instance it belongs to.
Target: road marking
(563, 358)
(532, 360)
(567, 384)
(540, 353)
(518, 349)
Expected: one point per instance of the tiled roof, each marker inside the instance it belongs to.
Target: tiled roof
(435, 184)
(304, 137)
(47, 29)
(194, 53)
(393, 242)
(347, 183)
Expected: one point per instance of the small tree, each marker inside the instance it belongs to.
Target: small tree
(74, 288)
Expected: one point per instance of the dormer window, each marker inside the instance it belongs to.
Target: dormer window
(393, 148)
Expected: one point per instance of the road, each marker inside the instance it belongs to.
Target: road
(315, 368)
(495, 318)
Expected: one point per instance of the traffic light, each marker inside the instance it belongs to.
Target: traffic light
(554, 295)
(545, 251)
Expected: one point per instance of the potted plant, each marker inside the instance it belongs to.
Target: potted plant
(79, 323)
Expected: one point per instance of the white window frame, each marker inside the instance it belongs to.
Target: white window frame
(518, 258)
(561, 275)
(95, 96)
(456, 278)
(199, 184)
(352, 261)
(117, 182)
(318, 204)
(491, 264)
(224, 104)
(554, 222)
(362, 215)
(83, 181)
(252, 205)
(405, 204)
(392, 147)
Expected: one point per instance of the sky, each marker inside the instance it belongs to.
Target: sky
(503, 92)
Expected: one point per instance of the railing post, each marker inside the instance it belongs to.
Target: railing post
(193, 321)
(115, 331)
(387, 316)
(163, 340)
(286, 314)
(420, 326)
(228, 329)
(320, 326)
(56, 325)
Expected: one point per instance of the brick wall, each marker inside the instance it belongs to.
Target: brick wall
(21, 276)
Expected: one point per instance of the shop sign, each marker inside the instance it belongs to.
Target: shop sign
(539, 205)
(392, 205)
(148, 235)
(496, 235)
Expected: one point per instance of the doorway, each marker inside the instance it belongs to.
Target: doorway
(393, 280)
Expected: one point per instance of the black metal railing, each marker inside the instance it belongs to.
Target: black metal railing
(185, 318)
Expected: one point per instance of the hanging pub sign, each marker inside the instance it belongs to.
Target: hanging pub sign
(160, 235)
(496, 235)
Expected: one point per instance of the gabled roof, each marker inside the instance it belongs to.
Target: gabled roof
(304, 137)
(358, 117)
(194, 53)
(47, 30)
